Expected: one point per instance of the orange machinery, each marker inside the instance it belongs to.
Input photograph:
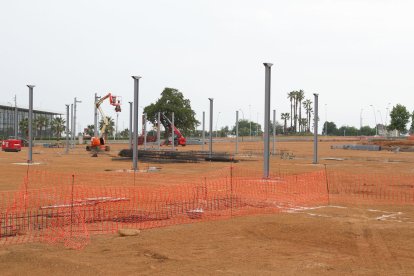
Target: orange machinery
(98, 143)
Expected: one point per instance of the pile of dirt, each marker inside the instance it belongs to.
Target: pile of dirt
(392, 144)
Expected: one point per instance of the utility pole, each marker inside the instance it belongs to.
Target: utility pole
(71, 125)
(30, 154)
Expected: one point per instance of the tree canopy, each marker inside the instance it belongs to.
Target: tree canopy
(399, 118)
(172, 100)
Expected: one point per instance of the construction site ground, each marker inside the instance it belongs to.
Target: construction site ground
(343, 239)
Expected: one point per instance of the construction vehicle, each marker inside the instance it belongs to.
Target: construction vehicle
(179, 139)
(98, 143)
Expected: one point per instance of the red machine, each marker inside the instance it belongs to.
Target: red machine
(11, 145)
(179, 139)
(98, 143)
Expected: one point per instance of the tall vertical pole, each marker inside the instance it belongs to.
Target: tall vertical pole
(30, 119)
(145, 130)
(203, 134)
(67, 129)
(116, 127)
(274, 132)
(16, 124)
(135, 142)
(172, 132)
(210, 146)
(71, 124)
(237, 131)
(159, 130)
(74, 119)
(130, 125)
(95, 117)
(315, 130)
(266, 151)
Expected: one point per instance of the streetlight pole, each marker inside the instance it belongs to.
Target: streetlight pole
(375, 118)
(67, 129)
(266, 148)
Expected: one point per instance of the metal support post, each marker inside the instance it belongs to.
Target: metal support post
(203, 134)
(71, 125)
(95, 117)
(30, 119)
(172, 132)
(274, 131)
(159, 130)
(16, 124)
(237, 131)
(315, 130)
(74, 119)
(135, 142)
(210, 146)
(130, 125)
(67, 129)
(266, 151)
(145, 130)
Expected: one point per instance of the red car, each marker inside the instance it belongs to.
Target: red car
(11, 145)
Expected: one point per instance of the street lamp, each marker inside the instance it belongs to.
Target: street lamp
(375, 118)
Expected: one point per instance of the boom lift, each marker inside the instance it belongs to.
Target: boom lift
(179, 139)
(98, 143)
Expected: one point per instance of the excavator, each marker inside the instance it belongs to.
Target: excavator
(179, 139)
(98, 143)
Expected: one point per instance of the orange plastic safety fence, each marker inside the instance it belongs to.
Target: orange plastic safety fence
(67, 209)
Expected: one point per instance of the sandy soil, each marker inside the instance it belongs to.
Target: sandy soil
(334, 240)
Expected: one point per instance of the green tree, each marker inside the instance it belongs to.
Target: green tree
(285, 117)
(412, 123)
(90, 130)
(399, 118)
(367, 131)
(125, 133)
(110, 128)
(58, 126)
(24, 126)
(244, 128)
(330, 128)
(172, 100)
(40, 123)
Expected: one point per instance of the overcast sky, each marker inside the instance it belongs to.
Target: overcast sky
(354, 53)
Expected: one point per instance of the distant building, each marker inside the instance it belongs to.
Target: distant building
(7, 121)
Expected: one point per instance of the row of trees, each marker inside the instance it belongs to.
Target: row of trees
(41, 124)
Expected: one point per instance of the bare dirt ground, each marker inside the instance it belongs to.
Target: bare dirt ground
(336, 240)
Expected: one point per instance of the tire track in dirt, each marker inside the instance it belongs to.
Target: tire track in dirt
(374, 252)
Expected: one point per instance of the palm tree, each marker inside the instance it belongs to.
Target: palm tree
(291, 96)
(303, 123)
(307, 104)
(300, 96)
(58, 126)
(24, 126)
(110, 128)
(285, 117)
(40, 123)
